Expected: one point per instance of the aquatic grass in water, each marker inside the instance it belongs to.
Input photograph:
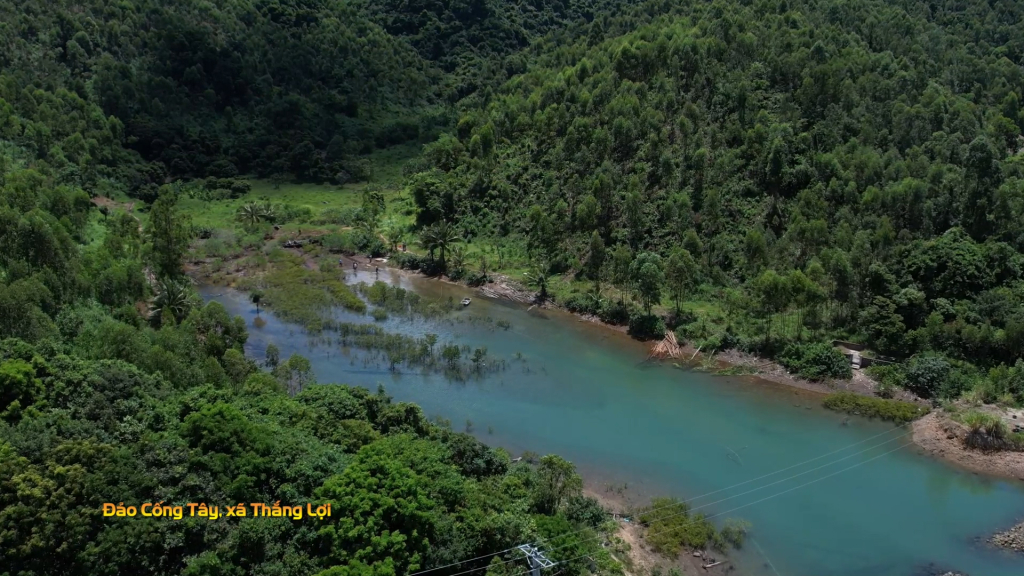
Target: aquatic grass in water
(395, 350)
(298, 294)
(397, 301)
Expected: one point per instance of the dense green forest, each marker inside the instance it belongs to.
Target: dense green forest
(763, 175)
(816, 169)
(104, 399)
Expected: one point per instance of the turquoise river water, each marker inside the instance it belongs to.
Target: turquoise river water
(826, 494)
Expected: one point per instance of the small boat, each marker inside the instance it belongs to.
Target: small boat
(466, 301)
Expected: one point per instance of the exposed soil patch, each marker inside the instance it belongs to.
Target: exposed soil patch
(943, 438)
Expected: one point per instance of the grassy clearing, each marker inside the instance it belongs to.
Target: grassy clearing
(317, 198)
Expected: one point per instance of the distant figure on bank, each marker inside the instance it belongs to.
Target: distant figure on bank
(376, 270)
(354, 265)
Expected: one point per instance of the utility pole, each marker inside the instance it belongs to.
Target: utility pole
(536, 559)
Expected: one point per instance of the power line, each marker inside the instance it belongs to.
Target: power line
(686, 511)
(488, 555)
(743, 506)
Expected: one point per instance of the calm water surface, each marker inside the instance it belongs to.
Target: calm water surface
(874, 508)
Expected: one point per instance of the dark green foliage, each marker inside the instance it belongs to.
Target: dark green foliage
(818, 361)
(893, 410)
(926, 376)
(822, 175)
(646, 326)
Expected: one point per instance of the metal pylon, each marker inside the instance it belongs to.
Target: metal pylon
(536, 558)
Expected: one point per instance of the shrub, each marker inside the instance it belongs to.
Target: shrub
(671, 526)
(893, 410)
(988, 432)
(816, 361)
(614, 312)
(408, 260)
(585, 510)
(579, 303)
(926, 375)
(341, 242)
(889, 377)
(646, 326)
(475, 278)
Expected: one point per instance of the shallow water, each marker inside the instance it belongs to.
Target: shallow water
(850, 496)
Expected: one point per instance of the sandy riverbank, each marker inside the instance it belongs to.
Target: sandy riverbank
(942, 438)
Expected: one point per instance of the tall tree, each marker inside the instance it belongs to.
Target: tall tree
(169, 233)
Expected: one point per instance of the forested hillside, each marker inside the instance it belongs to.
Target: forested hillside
(763, 175)
(855, 164)
(221, 88)
(118, 386)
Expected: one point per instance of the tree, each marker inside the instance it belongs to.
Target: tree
(596, 257)
(169, 235)
(172, 295)
(647, 276)
(537, 276)
(680, 274)
(620, 261)
(252, 214)
(771, 292)
(558, 482)
(440, 237)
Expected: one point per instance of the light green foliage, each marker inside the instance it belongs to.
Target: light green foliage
(894, 410)
(671, 526)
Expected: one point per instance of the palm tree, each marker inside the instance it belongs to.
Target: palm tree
(538, 277)
(458, 254)
(445, 236)
(428, 240)
(394, 233)
(173, 296)
(253, 213)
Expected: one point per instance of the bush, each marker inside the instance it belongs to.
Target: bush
(816, 361)
(889, 376)
(671, 526)
(646, 326)
(585, 510)
(475, 278)
(342, 242)
(893, 410)
(579, 303)
(988, 432)
(926, 375)
(614, 312)
(408, 260)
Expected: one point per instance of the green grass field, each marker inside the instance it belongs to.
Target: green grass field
(387, 175)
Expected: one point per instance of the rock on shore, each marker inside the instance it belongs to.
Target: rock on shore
(1012, 539)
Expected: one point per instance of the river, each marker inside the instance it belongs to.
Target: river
(826, 494)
